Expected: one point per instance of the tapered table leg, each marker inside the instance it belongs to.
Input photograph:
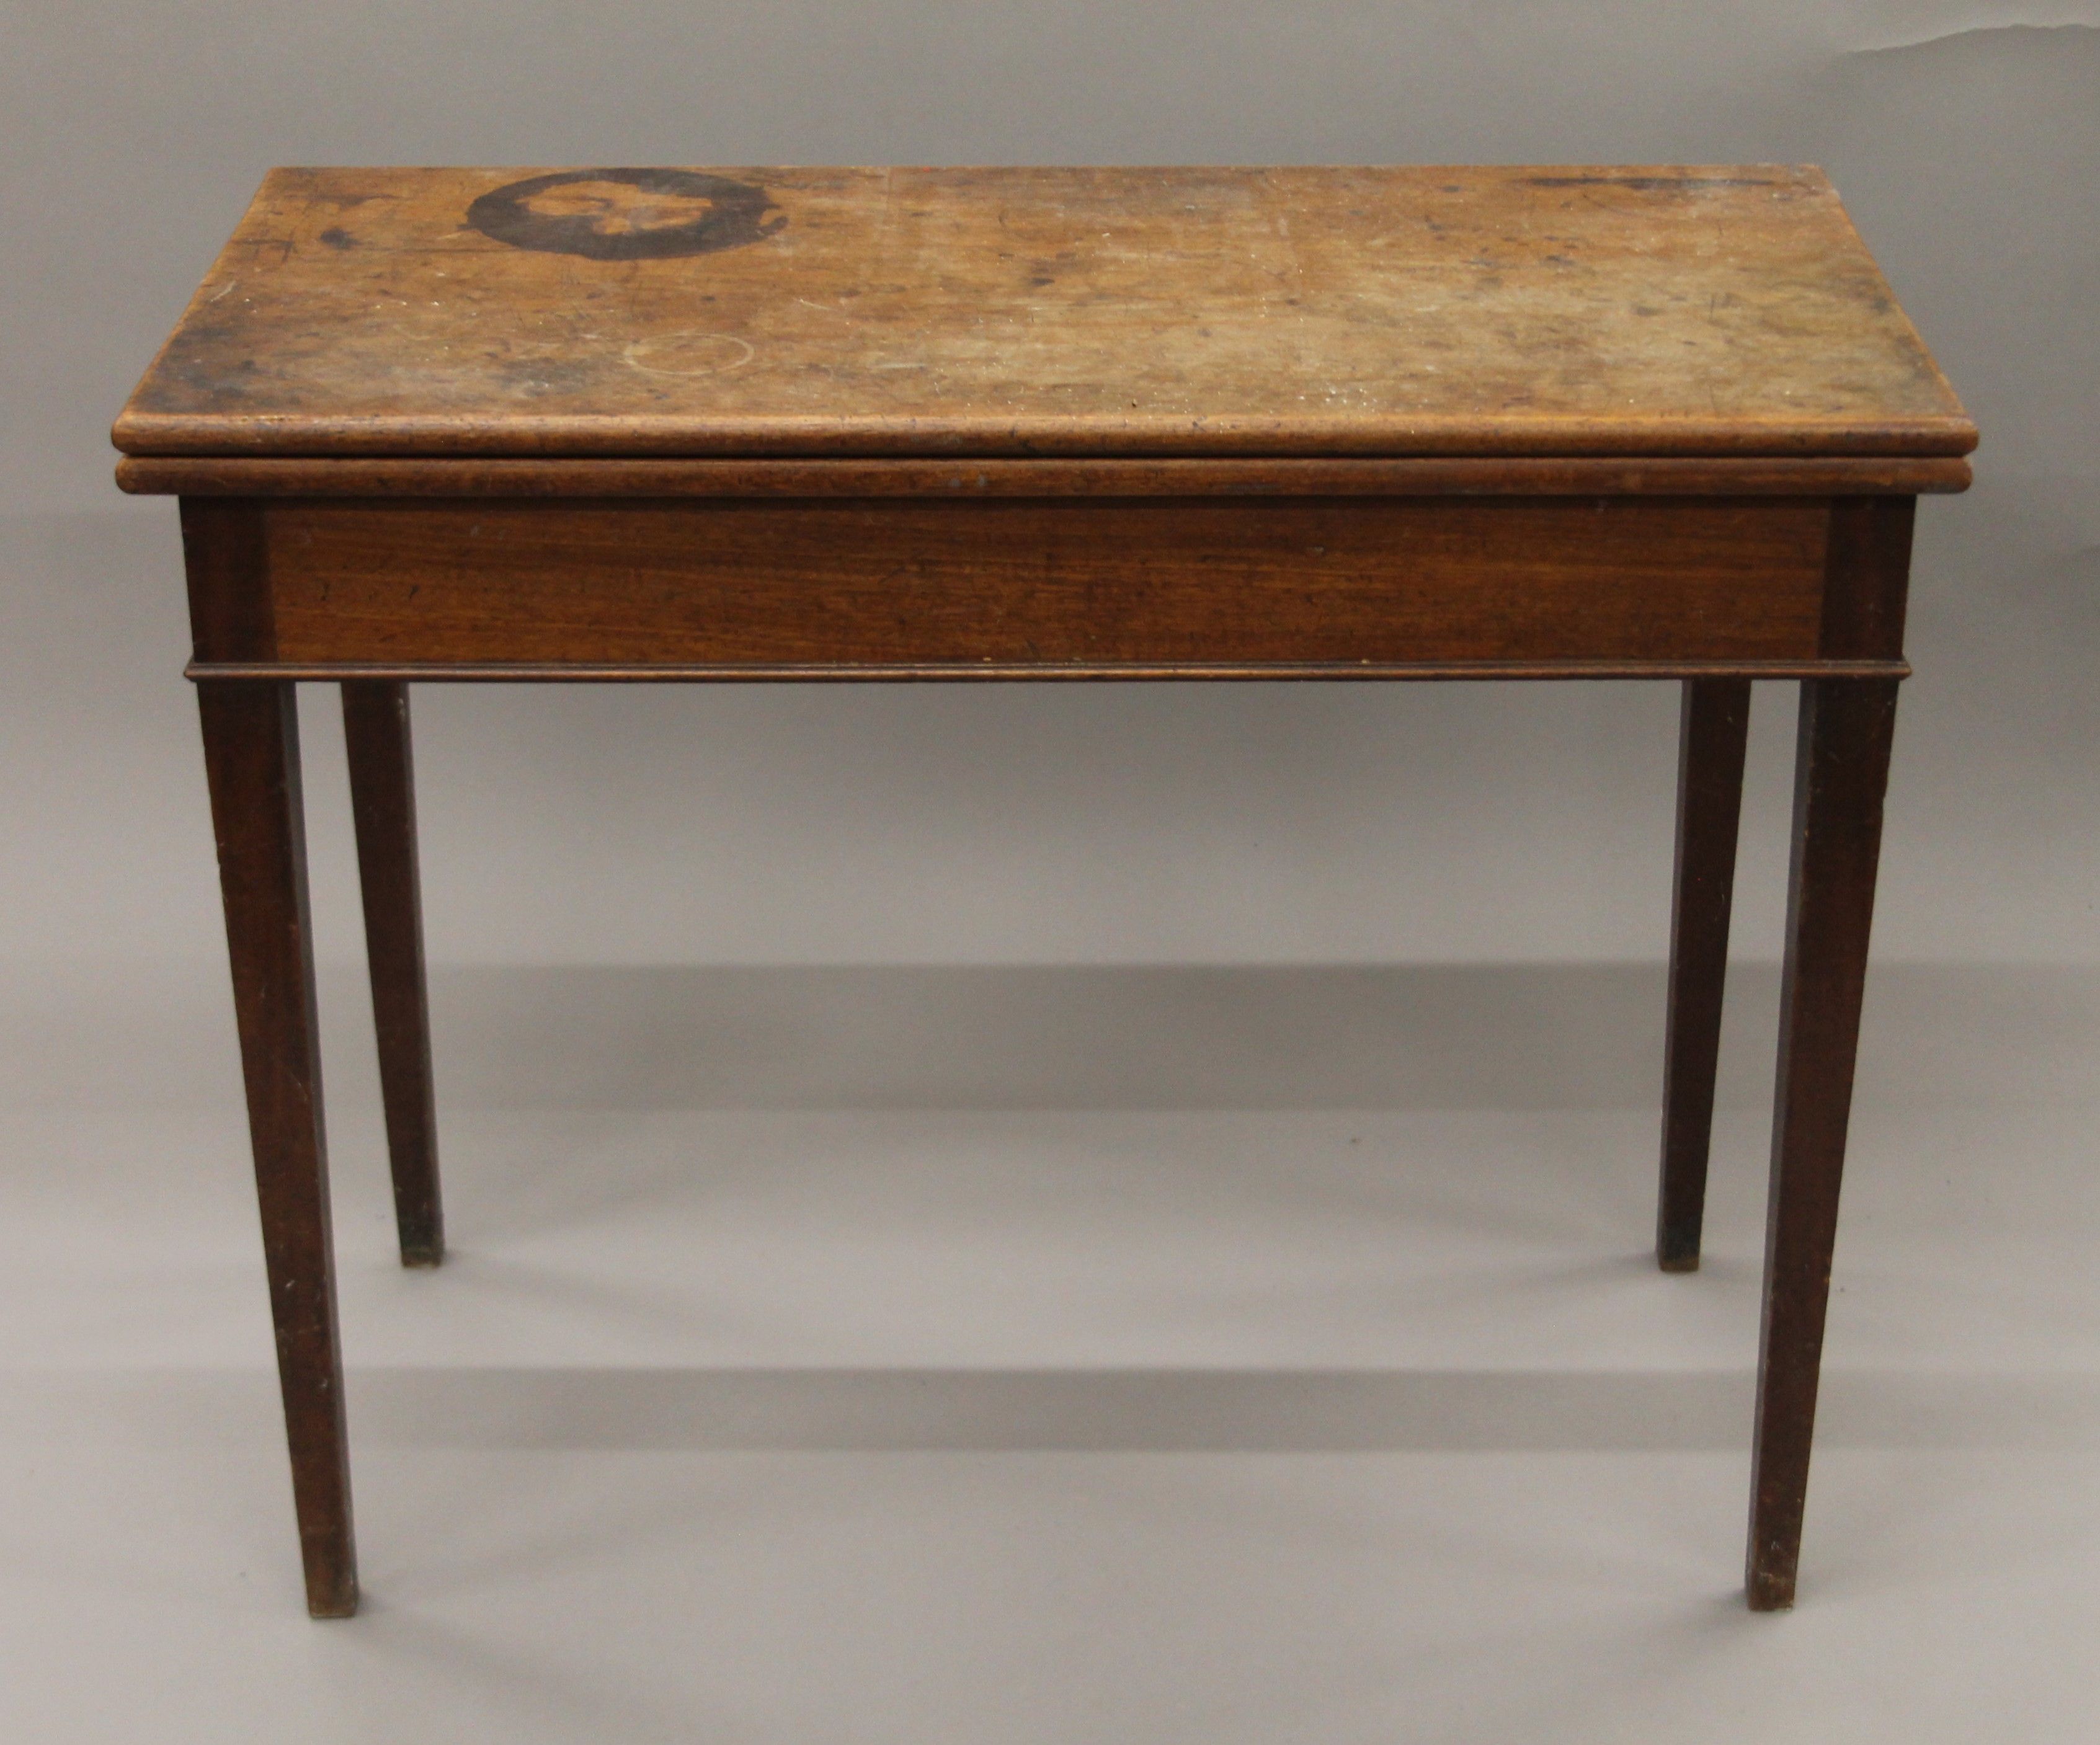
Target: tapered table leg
(252, 760)
(1840, 772)
(1715, 726)
(375, 719)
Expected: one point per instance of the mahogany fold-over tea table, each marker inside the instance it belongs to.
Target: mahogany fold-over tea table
(672, 425)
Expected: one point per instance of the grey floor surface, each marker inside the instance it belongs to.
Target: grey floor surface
(1134, 1355)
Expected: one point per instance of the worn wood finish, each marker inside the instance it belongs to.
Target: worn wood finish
(383, 794)
(252, 761)
(844, 424)
(1713, 731)
(1635, 311)
(1293, 580)
(1840, 772)
(1722, 476)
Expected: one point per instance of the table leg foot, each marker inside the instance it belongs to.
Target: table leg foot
(1714, 726)
(375, 719)
(1769, 1592)
(1841, 771)
(340, 1602)
(252, 761)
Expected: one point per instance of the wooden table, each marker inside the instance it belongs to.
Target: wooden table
(1045, 424)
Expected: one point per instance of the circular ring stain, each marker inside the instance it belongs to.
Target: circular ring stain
(627, 214)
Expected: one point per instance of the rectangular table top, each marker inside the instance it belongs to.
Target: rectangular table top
(1394, 311)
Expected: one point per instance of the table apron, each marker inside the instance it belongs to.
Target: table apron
(1200, 586)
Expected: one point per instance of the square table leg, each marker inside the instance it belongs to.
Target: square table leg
(1715, 726)
(1840, 774)
(251, 744)
(382, 793)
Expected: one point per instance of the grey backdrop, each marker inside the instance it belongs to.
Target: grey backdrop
(1184, 1154)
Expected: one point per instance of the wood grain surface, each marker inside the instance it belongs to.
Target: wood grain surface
(1713, 735)
(1400, 311)
(1841, 776)
(383, 804)
(251, 744)
(1042, 583)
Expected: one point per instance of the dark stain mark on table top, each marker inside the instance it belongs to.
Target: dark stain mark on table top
(627, 214)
